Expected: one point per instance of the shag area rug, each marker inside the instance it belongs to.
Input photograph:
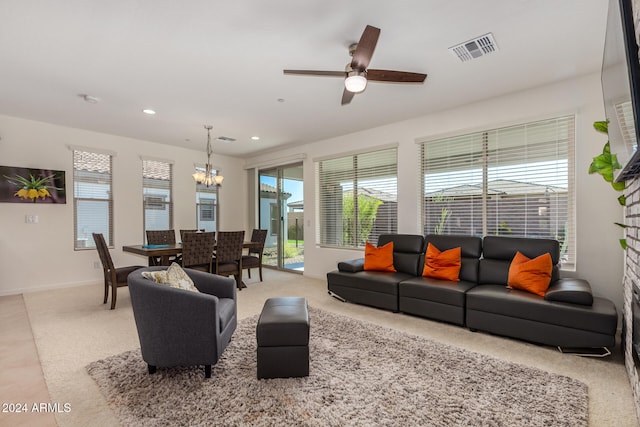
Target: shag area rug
(361, 374)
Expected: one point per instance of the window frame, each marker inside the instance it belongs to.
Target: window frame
(476, 159)
(106, 179)
(157, 170)
(369, 176)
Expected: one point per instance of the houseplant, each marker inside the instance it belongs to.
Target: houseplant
(605, 165)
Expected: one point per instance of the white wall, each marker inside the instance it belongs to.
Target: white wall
(40, 256)
(599, 256)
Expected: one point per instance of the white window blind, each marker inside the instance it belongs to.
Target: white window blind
(512, 181)
(92, 198)
(357, 198)
(157, 200)
(206, 207)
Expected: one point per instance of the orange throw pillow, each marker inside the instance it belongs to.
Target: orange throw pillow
(379, 259)
(442, 265)
(531, 275)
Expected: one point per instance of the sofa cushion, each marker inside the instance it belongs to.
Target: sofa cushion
(441, 291)
(380, 258)
(408, 255)
(470, 251)
(377, 281)
(498, 251)
(530, 275)
(443, 265)
(600, 317)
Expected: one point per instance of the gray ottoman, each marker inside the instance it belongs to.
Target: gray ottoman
(283, 338)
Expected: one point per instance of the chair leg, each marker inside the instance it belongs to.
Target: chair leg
(106, 292)
(260, 270)
(249, 272)
(114, 295)
(207, 371)
(152, 369)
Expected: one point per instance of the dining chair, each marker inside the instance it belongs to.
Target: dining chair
(197, 250)
(228, 256)
(254, 258)
(161, 237)
(183, 231)
(113, 277)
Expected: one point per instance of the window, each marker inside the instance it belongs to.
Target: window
(92, 198)
(357, 198)
(512, 181)
(206, 207)
(156, 190)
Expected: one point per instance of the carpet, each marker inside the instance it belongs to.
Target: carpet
(361, 374)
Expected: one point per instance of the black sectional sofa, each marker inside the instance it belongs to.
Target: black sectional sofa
(568, 316)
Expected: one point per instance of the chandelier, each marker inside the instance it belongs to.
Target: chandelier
(208, 176)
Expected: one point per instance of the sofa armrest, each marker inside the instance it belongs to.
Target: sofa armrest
(352, 266)
(575, 291)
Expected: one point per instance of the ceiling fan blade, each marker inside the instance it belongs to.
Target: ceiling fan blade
(366, 46)
(347, 96)
(316, 73)
(395, 76)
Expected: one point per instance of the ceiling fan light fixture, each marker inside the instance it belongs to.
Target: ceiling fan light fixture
(356, 82)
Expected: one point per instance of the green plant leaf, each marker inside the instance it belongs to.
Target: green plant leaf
(601, 126)
(623, 243)
(619, 224)
(622, 200)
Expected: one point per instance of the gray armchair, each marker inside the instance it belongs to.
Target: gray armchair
(183, 328)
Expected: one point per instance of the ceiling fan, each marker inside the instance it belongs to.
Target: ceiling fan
(357, 74)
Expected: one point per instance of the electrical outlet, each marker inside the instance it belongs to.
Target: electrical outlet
(96, 264)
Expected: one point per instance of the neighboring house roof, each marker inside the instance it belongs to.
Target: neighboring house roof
(498, 187)
(266, 188)
(376, 194)
(298, 204)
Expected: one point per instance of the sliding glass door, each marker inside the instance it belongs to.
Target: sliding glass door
(282, 215)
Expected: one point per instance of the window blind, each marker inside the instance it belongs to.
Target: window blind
(357, 198)
(511, 181)
(206, 207)
(92, 198)
(156, 190)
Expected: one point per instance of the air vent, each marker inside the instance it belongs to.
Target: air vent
(225, 139)
(475, 48)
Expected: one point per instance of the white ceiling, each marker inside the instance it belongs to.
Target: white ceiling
(219, 62)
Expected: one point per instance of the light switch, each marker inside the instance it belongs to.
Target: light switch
(31, 219)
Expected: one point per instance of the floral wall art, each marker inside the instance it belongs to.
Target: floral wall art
(29, 185)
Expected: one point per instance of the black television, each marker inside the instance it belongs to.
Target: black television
(621, 88)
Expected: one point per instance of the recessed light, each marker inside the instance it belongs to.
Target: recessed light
(280, 99)
(255, 138)
(149, 111)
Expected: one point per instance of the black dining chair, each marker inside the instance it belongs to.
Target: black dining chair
(197, 250)
(254, 258)
(228, 256)
(113, 277)
(162, 237)
(183, 231)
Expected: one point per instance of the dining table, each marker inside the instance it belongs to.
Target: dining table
(166, 251)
